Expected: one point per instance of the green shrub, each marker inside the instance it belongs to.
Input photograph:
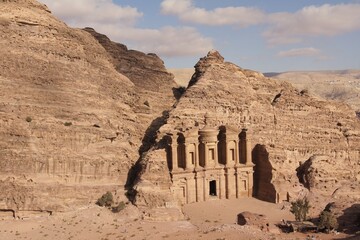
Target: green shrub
(68, 124)
(119, 207)
(28, 119)
(327, 221)
(106, 200)
(300, 209)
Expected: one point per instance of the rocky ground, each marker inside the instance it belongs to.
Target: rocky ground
(208, 220)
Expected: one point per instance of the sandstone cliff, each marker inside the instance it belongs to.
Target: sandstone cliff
(71, 124)
(288, 128)
(154, 85)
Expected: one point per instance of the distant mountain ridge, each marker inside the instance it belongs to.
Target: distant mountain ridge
(339, 85)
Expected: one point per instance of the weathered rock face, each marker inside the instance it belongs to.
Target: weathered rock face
(288, 127)
(136, 65)
(154, 85)
(322, 175)
(71, 125)
(322, 172)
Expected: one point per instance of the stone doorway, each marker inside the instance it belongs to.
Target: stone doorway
(212, 188)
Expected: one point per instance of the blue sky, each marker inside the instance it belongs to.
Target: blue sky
(267, 36)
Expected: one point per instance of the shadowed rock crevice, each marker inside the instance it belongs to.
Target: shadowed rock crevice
(305, 174)
(349, 221)
(148, 141)
(263, 188)
(178, 92)
(276, 98)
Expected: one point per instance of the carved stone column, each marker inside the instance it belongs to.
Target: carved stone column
(226, 154)
(248, 151)
(237, 182)
(174, 157)
(237, 159)
(222, 185)
(187, 160)
(197, 187)
(206, 156)
(216, 157)
(250, 183)
(206, 189)
(187, 190)
(197, 159)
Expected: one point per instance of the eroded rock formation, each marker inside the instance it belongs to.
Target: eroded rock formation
(71, 124)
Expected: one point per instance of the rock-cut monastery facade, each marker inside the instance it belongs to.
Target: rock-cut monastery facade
(210, 163)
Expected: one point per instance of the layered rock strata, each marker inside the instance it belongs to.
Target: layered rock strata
(71, 124)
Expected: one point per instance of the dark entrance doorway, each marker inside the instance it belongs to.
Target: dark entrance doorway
(212, 187)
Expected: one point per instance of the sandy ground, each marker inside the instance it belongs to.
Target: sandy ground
(214, 219)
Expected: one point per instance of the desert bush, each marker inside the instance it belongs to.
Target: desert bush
(327, 221)
(119, 207)
(304, 92)
(106, 200)
(28, 119)
(67, 124)
(300, 209)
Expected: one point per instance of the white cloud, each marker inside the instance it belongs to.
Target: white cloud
(167, 41)
(282, 27)
(119, 24)
(81, 13)
(325, 20)
(186, 11)
(300, 52)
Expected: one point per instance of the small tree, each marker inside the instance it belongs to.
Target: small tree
(28, 119)
(300, 209)
(68, 124)
(106, 200)
(327, 221)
